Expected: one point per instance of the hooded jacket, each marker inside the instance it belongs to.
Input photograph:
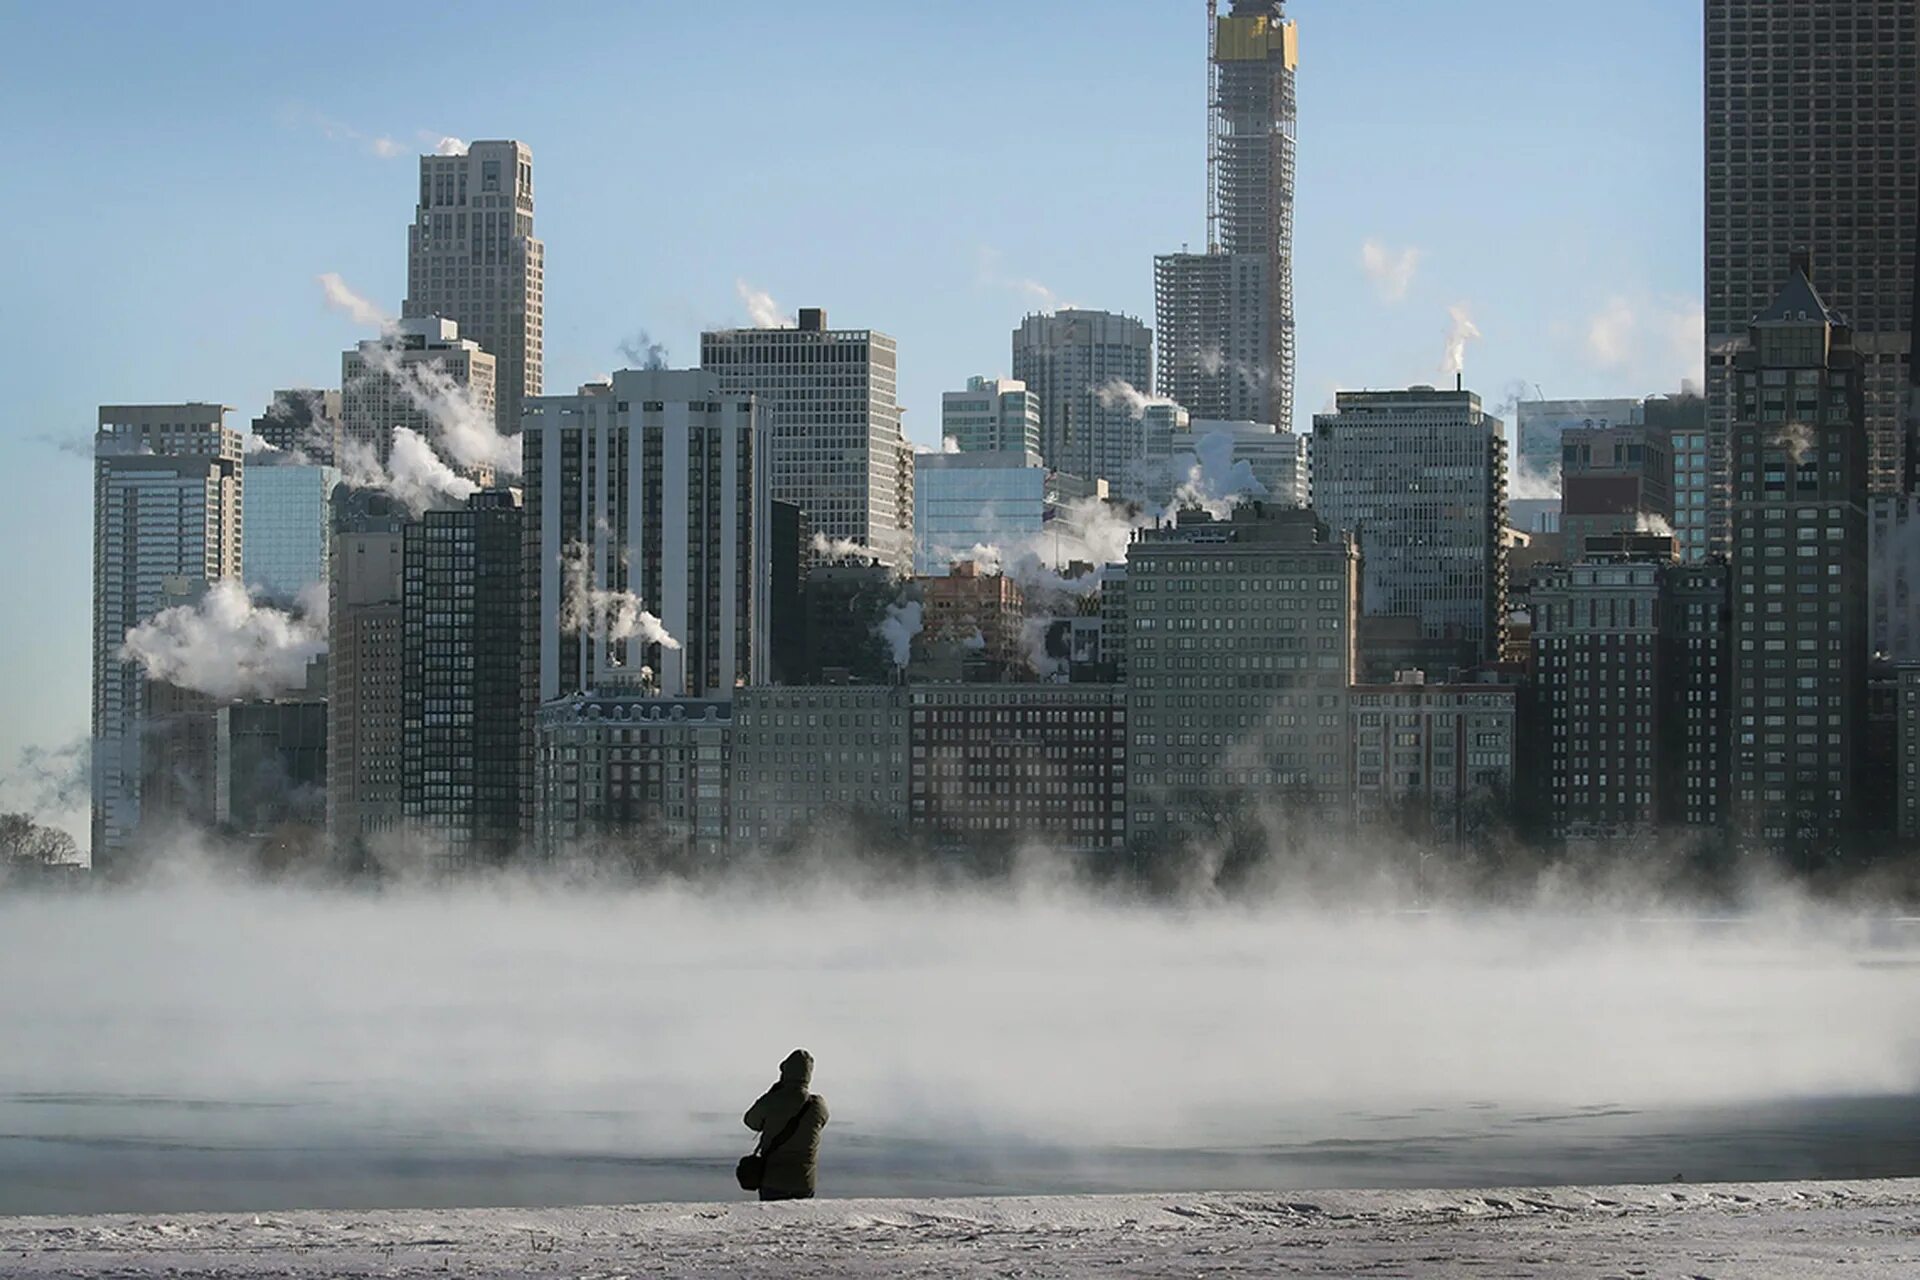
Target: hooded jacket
(793, 1165)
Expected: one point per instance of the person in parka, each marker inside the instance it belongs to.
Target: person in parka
(792, 1165)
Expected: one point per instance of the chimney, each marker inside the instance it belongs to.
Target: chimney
(812, 320)
(1459, 380)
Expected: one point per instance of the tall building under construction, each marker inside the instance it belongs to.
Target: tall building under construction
(1226, 316)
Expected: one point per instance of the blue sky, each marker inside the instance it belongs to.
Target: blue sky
(179, 174)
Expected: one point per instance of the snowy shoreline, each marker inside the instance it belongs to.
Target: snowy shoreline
(1787, 1229)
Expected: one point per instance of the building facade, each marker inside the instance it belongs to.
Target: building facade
(287, 527)
(398, 379)
(1614, 480)
(472, 258)
(993, 415)
(366, 579)
(1067, 359)
(831, 402)
(1812, 132)
(1539, 424)
(303, 420)
(466, 740)
(1800, 454)
(1600, 670)
(167, 522)
(1226, 315)
(1696, 693)
(1893, 576)
(1420, 477)
(1240, 649)
(809, 758)
(623, 775)
(995, 765)
(649, 493)
(1435, 760)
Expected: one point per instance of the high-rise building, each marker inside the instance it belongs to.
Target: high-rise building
(1240, 648)
(271, 765)
(1539, 424)
(1420, 477)
(287, 525)
(1893, 576)
(1277, 458)
(1696, 695)
(649, 493)
(1907, 739)
(1074, 362)
(303, 420)
(1614, 480)
(791, 556)
(1006, 501)
(472, 258)
(166, 523)
(1600, 667)
(1226, 315)
(996, 415)
(833, 416)
(400, 380)
(365, 658)
(1800, 453)
(1812, 138)
(466, 740)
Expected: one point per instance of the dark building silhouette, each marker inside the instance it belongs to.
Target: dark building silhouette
(1800, 456)
(466, 743)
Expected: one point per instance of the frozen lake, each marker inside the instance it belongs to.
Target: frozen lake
(218, 1049)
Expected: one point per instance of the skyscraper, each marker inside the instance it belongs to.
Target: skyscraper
(991, 415)
(391, 381)
(472, 258)
(831, 403)
(166, 523)
(1226, 315)
(654, 485)
(466, 739)
(303, 420)
(288, 524)
(1614, 480)
(1252, 706)
(1075, 362)
(365, 657)
(1420, 477)
(1799, 453)
(1813, 140)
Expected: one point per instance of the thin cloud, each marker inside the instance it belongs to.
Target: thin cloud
(1391, 270)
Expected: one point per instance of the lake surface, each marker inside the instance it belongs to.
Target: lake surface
(225, 1049)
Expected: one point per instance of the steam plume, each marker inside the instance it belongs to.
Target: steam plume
(762, 311)
(642, 352)
(342, 298)
(600, 611)
(1460, 331)
(414, 473)
(226, 646)
(1118, 393)
(898, 628)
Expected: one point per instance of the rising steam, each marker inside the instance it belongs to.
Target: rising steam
(611, 615)
(226, 646)
(1460, 331)
(762, 311)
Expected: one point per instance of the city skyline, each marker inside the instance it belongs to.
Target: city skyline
(247, 324)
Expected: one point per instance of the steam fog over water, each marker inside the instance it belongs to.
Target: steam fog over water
(197, 1047)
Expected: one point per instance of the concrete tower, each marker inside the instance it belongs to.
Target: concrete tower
(472, 258)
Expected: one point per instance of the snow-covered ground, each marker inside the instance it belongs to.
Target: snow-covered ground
(1748, 1230)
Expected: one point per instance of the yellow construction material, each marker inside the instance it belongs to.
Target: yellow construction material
(1255, 40)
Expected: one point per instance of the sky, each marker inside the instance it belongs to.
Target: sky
(179, 176)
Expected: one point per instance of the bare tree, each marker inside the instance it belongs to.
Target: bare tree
(24, 842)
